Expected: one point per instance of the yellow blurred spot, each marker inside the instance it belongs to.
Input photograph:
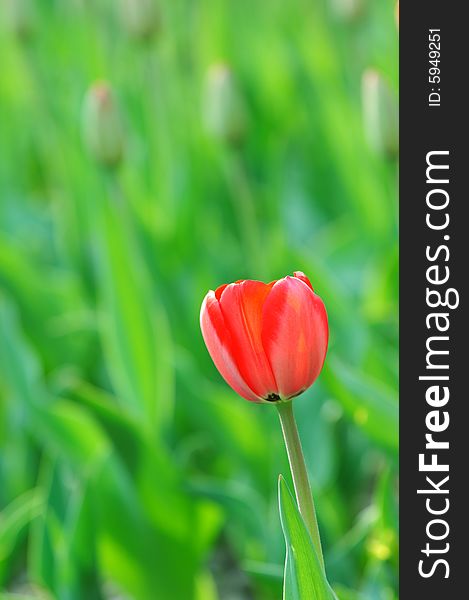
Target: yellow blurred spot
(378, 549)
(361, 416)
(382, 544)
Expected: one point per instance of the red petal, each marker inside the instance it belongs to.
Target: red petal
(219, 291)
(220, 347)
(242, 305)
(294, 334)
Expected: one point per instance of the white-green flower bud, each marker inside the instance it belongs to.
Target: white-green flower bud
(223, 107)
(380, 113)
(141, 18)
(103, 132)
(348, 10)
(19, 17)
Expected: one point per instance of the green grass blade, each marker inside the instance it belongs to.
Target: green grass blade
(369, 402)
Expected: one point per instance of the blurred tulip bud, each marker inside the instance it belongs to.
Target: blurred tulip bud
(380, 113)
(19, 17)
(102, 125)
(141, 18)
(348, 10)
(223, 108)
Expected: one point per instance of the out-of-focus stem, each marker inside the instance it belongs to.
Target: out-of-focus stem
(114, 188)
(244, 207)
(296, 459)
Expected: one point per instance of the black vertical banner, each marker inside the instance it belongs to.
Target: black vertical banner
(434, 271)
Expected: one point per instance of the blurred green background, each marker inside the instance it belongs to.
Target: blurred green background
(128, 469)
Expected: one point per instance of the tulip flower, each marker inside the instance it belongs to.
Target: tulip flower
(269, 342)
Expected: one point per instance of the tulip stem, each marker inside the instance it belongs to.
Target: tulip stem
(296, 459)
(245, 209)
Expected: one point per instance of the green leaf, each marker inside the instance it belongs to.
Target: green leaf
(304, 576)
(134, 328)
(68, 430)
(15, 517)
(371, 404)
(19, 366)
(14, 596)
(57, 322)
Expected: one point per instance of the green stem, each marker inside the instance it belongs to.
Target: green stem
(299, 474)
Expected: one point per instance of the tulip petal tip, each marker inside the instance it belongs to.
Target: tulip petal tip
(300, 275)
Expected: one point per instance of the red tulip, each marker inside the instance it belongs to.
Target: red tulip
(268, 340)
